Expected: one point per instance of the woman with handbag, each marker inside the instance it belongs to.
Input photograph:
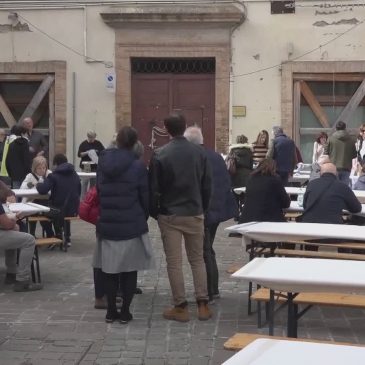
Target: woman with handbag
(123, 245)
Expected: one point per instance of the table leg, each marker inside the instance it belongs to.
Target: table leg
(271, 312)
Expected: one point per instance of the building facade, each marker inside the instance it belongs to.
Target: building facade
(231, 67)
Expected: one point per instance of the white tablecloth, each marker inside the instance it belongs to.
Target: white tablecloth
(275, 352)
(29, 193)
(27, 208)
(86, 175)
(285, 231)
(297, 275)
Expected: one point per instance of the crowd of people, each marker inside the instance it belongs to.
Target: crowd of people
(187, 188)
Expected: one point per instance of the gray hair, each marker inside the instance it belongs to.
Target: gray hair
(91, 134)
(194, 135)
(277, 130)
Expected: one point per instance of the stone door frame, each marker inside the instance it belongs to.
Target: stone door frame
(175, 31)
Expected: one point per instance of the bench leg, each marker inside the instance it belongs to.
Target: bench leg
(292, 329)
(271, 312)
(249, 302)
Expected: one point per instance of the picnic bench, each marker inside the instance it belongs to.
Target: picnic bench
(307, 299)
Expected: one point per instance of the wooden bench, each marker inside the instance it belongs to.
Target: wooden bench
(38, 218)
(240, 340)
(319, 254)
(310, 299)
(40, 242)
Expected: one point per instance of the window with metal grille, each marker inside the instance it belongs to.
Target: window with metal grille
(173, 65)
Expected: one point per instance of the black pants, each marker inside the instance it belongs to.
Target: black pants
(99, 283)
(46, 226)
(128, 285)
(209, 259)
(60, 225)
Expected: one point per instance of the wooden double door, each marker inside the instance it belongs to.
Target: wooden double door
(155, 96)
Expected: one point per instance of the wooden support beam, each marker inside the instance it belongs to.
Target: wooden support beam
(22, 77)
(37, 97)
(314, 104)
(7, 114)
(352, 104)
(296, 111)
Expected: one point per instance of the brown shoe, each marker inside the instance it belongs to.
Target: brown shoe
(178, 313)
(204, 313)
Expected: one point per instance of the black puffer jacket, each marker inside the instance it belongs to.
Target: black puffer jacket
(65, 187)
(122, 185)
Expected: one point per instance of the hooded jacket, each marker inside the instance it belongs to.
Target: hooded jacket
(65, 187)
(244, 163)
(122, 185)
(341, 149)
(18, 159)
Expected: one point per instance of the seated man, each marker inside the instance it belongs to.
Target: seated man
(326, 198)
(65, 187)
(11, 240)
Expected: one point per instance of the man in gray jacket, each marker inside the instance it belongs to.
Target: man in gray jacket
(341, 150)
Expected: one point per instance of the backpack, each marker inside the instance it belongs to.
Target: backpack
(231, 163)
(89, 208)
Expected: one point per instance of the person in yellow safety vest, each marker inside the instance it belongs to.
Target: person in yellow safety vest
(9, 139)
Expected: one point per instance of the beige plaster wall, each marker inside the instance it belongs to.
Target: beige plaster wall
(263, 41)
(95, 107)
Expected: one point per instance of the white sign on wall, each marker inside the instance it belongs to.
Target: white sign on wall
(110, 81)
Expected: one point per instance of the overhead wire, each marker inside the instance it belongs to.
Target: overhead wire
(233, 76)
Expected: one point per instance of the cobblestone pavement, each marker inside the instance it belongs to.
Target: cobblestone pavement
(59, 325)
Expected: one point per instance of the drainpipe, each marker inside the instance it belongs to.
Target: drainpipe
(74, 152)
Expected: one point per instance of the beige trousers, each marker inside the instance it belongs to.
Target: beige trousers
(173, 229)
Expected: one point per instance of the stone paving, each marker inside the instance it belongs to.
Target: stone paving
(59, 325)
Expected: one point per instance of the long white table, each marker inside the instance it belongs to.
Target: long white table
(296, 208)
(285, 231)
(86, 175)
(295, 275)
(29, 193)
(299, 178)
(27, 208)
(291, 190)
(273, 352)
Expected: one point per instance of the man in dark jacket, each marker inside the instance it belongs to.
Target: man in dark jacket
(341, 150)
(180, 185)
(282, 150)
(18, 159)
(222, 207)
(38, 145)
(327, 197)
(65, 187)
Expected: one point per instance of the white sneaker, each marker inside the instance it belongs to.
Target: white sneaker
(68, 244)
